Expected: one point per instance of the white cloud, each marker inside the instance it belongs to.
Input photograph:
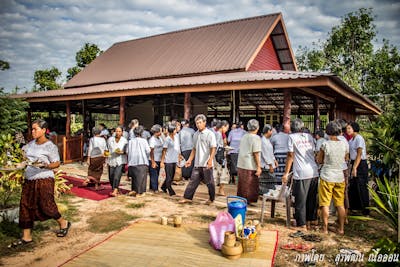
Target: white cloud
(41, 34)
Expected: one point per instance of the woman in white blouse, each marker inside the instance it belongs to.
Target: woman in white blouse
(138, 160)
(358, 188)
(117, 146)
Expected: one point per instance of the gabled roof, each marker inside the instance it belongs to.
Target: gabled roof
(222, 47)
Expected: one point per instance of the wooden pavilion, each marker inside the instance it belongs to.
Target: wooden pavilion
(234, 70)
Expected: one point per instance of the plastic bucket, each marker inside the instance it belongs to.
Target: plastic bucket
(237, 206)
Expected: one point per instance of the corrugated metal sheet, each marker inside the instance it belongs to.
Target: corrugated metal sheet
(219, 47)
(247, 76)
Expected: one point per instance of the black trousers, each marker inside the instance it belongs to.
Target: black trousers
(169, 177)
(358, 188)
(114, 175)
(199, 174)
(305, 200)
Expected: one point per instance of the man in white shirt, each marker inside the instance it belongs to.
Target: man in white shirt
(203, 153)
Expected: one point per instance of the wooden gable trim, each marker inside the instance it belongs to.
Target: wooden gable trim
(289, 45)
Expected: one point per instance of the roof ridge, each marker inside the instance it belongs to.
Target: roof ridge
(202, 26)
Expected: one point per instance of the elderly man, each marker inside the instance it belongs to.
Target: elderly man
(203, 152)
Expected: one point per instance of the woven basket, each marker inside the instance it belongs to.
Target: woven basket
(249, 244)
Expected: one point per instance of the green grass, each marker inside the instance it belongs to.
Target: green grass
(135, 205)
(109, 221)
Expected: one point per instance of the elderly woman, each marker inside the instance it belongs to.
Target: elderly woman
(234, 137)
(171, 154)
(332, 183)
(117, 147)
(249, 164)
(279, 142)
(156, 148)
(138, 160)
(96, 159)
(305, 174)
(37, 197)
(358, 189)
(268, 161)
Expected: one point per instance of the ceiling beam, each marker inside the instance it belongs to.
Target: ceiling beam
(314, 92)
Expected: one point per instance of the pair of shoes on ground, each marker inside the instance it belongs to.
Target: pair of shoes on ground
(21, 242)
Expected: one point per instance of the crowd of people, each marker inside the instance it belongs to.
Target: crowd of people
(255, 159)
(328, 169)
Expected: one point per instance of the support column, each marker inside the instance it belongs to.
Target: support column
(187, 107)
(68, 122)
(317, 114)
(332, 112)
(29, 121)
(122, 100)
(235, 106)
(287, 109)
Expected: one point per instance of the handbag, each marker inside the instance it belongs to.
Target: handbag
(220, 155)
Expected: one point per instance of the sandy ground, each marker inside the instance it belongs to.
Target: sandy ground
(53, 251)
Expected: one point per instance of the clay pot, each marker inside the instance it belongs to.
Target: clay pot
(229, 239)
(232, 252)
(177, 221)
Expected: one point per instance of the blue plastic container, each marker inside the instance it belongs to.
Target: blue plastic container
(237, 207)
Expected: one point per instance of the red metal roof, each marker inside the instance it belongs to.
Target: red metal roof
(227, 46)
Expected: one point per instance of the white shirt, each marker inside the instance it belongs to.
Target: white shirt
(344, 140)
(45, 153)
(334, 155)
(203, 141)
(355, 143)
(173, 149)
(304, 166)
(157, 144)
(97, 145)
(280, 142)
(138, 152)
(116, 159)
(267, 153)
(250, 144)
(186, 138)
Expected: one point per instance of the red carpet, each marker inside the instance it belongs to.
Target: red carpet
(89, 192)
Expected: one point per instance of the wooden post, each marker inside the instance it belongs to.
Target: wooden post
(122, 100)
(187, 107)
(235, 106)
(29, 121)
(68, 122)
(332, 112)
(317, 121)
(287, 109)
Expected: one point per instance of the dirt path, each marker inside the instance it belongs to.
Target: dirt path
(53, 251)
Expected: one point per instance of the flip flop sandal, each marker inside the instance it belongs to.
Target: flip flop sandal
(63, 232)
(19, 243)
(289, 246)
(297, 234)
(312, 238)
(303, 247)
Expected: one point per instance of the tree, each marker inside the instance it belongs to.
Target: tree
(46, 79)
(4, 65)
(348, 50)
(12, 114)
(83, 58)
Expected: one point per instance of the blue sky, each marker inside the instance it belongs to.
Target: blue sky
(40, 34)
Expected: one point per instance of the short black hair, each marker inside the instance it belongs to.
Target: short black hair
(355, 126)
(171, 127)
(138, 131)
(320, 133)
(266, 128)
(333, 129)
(42, 123)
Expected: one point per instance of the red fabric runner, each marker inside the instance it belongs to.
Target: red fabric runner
(89, 192)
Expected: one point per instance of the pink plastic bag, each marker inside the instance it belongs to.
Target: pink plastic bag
(224, 222)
